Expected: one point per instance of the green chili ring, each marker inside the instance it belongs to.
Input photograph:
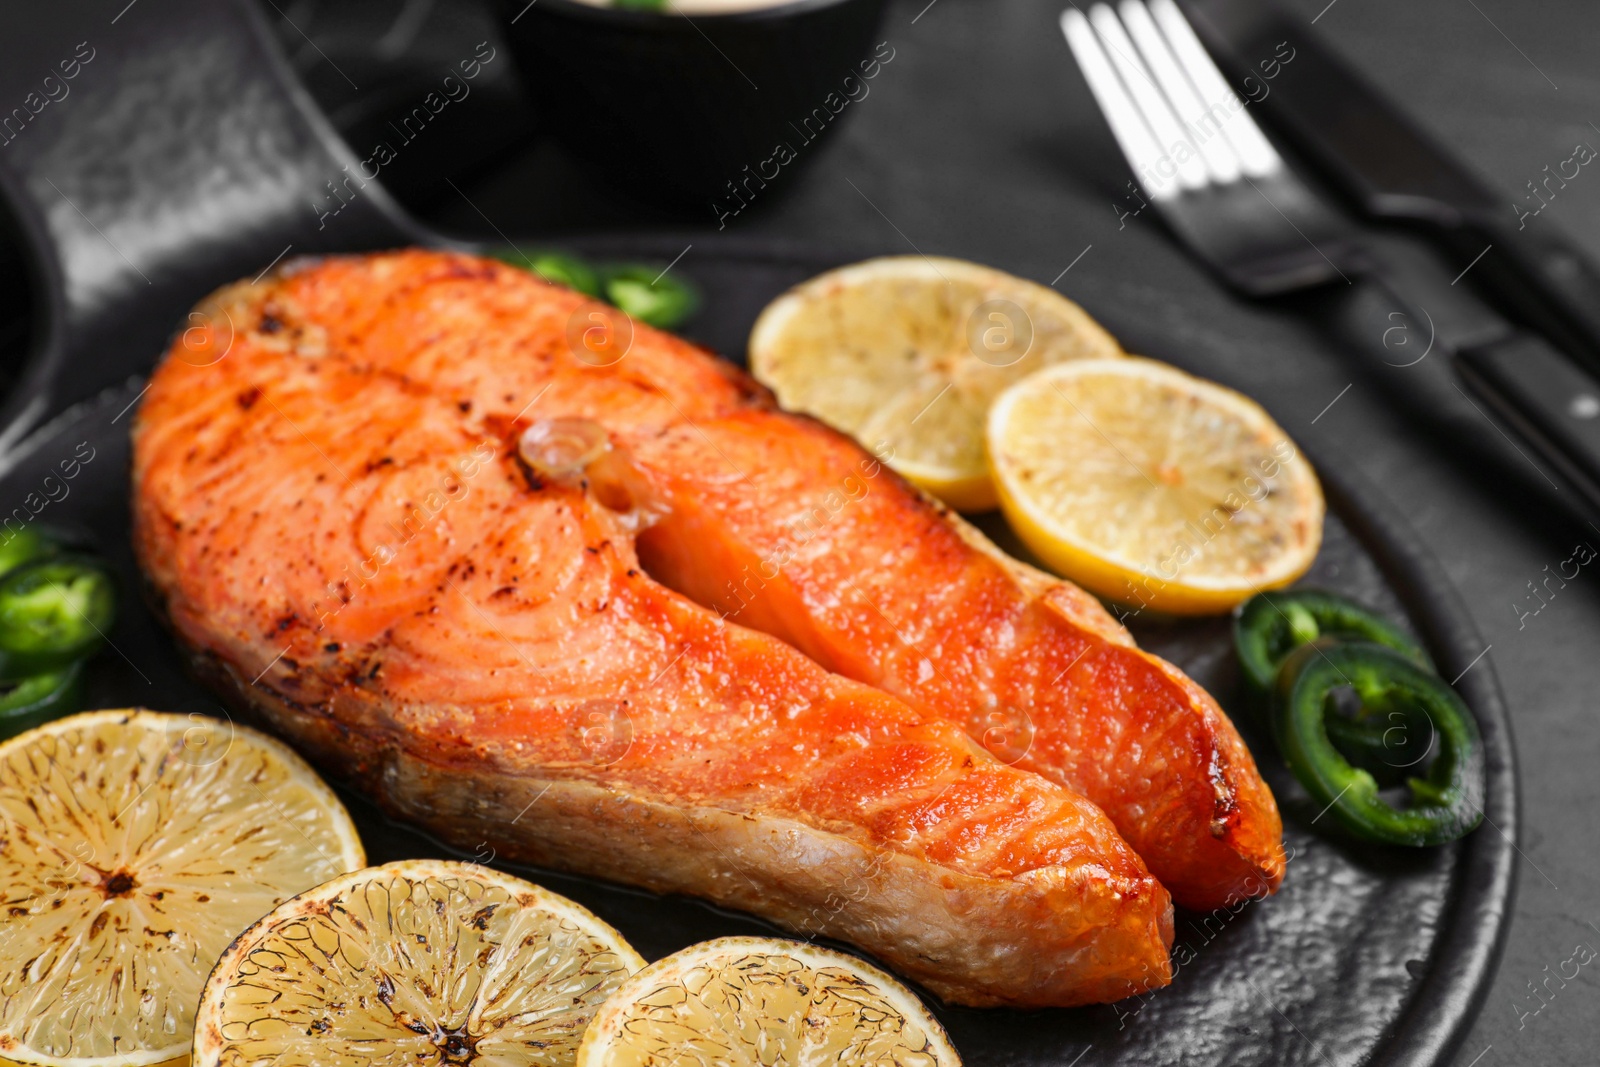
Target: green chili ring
(1272, 625)
(53, 611)
(18, 547)
(652, 296)
(566, 270)
(1446, 798)
(41, 698)
(643, 292)
(1389, 746)
(1385, 744)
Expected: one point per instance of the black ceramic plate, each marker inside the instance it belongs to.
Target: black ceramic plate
(1367, 956)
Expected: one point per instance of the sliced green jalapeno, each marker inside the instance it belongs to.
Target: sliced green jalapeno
(38, 699)
(1389, 745)
(649, 295)
(53, 611)
(566, 270)
(646, 293)
(24, 546)
(1271, 625)
(557, 268)
(1446, 796)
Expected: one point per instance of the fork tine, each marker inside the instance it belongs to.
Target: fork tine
(1220, 159)
(1178, 149)
(1257, 157)
(1122, 115)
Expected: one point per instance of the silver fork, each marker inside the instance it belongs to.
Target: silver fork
(1198, 155)
(1223, 189)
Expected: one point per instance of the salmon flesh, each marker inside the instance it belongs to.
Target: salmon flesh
(611, 611)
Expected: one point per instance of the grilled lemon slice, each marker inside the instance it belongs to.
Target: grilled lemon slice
(1151, 487)
(414, 962)
(136, 845)
(906, 354)
(758, 1001)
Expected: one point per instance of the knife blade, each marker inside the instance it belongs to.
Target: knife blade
(1394, 171)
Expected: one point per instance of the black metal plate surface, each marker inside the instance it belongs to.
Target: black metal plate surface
(1367, 956)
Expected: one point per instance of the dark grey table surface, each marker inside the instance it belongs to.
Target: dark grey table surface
(980, 140)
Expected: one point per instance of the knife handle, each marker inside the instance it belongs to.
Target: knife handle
(1541, 279)
(1551, 402)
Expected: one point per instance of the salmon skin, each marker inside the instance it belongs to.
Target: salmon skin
(335, 512)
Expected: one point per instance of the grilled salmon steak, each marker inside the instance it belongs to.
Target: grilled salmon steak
(880, 584)
(397, 506)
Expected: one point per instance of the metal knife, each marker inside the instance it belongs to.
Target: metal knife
(1357, 139)
(1393, 171)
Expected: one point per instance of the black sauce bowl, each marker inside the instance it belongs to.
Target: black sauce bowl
(705, 113)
